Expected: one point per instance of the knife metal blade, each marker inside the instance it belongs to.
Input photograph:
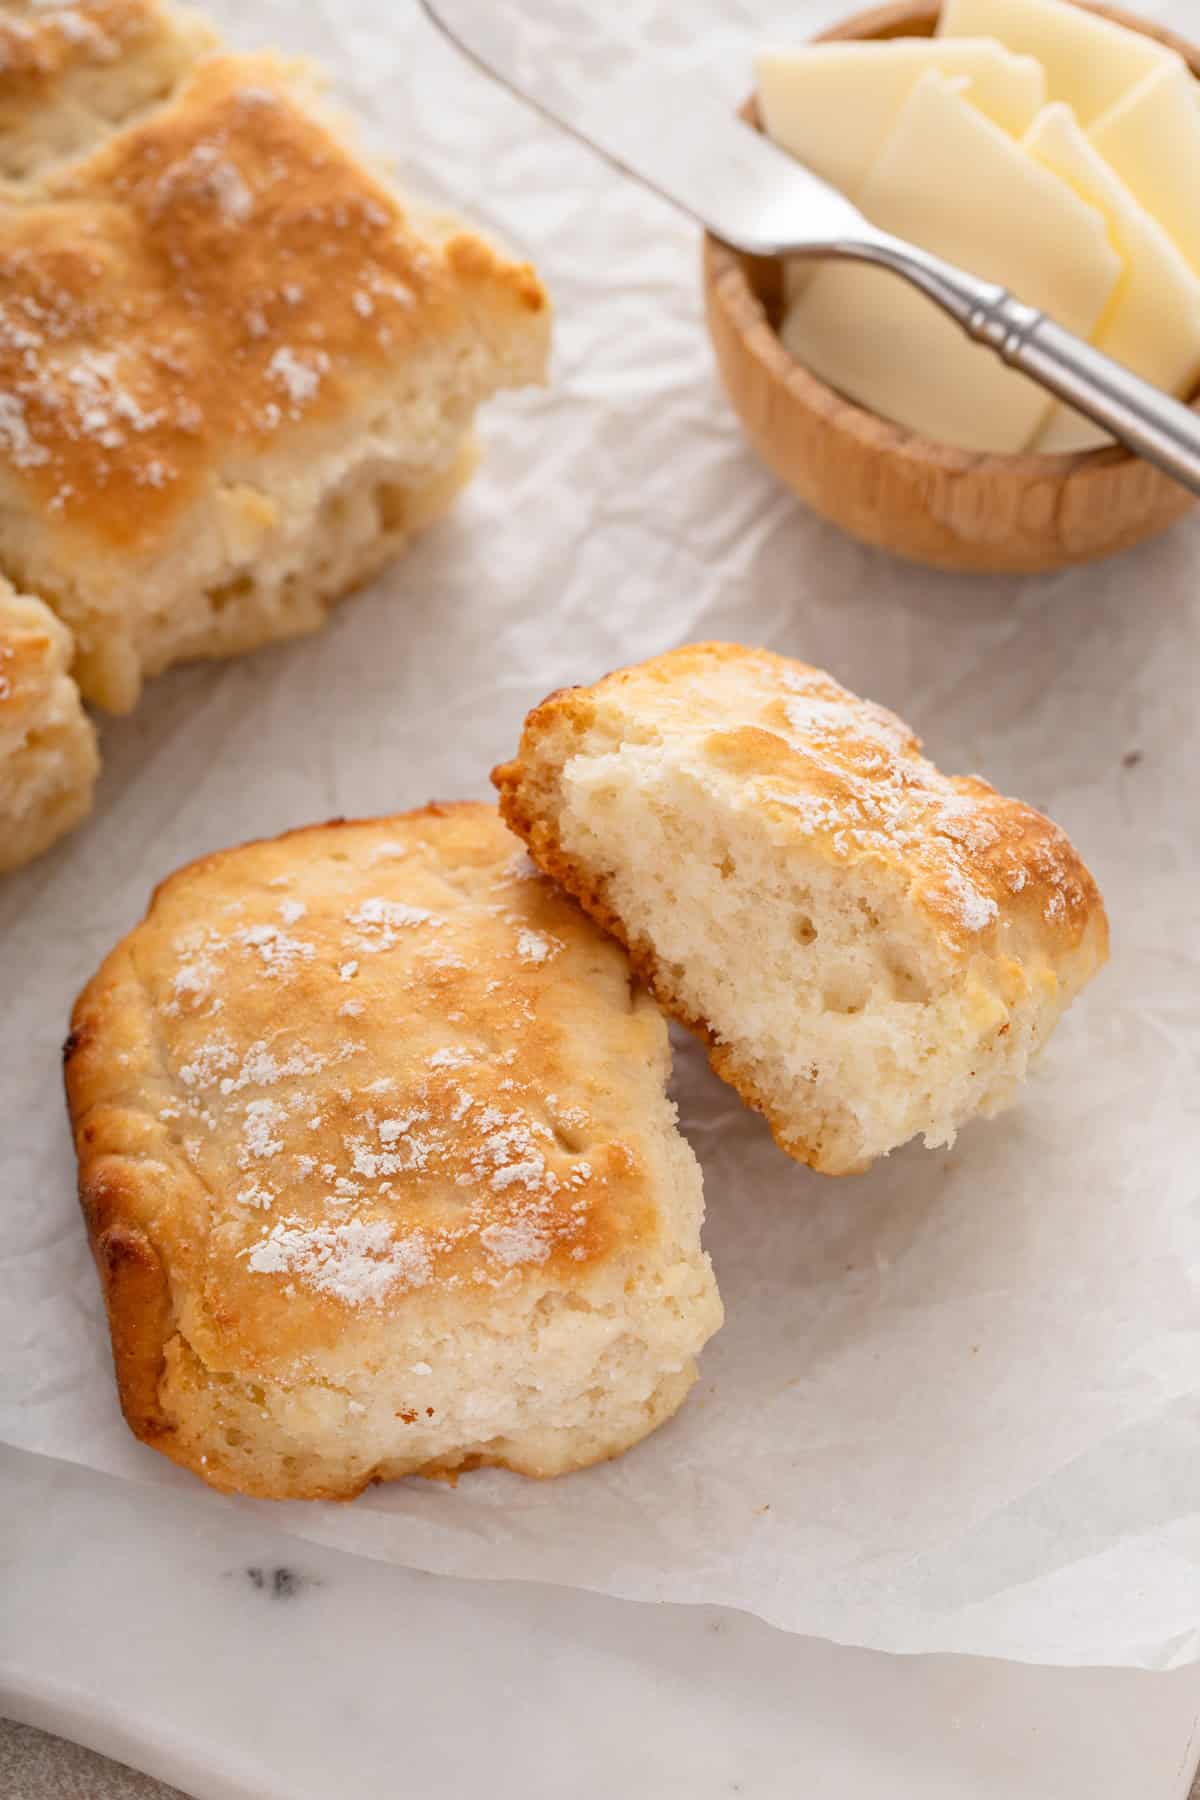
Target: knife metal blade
(653, 122)
(666, 133)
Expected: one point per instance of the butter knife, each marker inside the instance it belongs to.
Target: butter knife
(753, 196)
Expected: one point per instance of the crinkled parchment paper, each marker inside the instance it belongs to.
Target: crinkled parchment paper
(956, 1405)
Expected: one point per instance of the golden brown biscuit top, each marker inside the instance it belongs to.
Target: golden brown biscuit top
(214, 278)
(359, 1063)
(848, 776)
(43, 40)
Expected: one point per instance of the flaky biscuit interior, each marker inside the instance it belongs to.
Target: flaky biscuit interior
(874, 951)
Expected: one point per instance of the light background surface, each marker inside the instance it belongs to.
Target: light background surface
(225, 1657)
(955, 1405)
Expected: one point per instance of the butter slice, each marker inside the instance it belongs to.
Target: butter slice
(950, 180)
(832, 105)
(1151, 138)
(1152, 321)
(1089, 61)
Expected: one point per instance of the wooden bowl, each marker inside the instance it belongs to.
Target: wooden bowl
(931, 503)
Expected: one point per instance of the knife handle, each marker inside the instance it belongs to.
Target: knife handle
(1151, 423)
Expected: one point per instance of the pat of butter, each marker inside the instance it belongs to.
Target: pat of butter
(950, 180)
(1152, 139)
(1089, 62)
(1152, 321)
(832, 105)
(1068, 433)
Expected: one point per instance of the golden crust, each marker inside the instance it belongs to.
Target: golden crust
(842, 776)
(213, 280)
(41, 44)
(48, 755)
(1000, 887)
(72, 69)
(346, 1073)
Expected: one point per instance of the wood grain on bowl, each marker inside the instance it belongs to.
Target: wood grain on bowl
(927, 502)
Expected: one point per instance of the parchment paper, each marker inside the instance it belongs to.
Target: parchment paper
(956, 1405)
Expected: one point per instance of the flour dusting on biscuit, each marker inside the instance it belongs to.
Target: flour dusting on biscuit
(478, 1172)
(237, 371)
(873, 950)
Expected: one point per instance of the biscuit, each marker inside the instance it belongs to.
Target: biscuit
(873, 950)
(72, 70)
(379, 1169)
(48, 757)
(236, 375)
